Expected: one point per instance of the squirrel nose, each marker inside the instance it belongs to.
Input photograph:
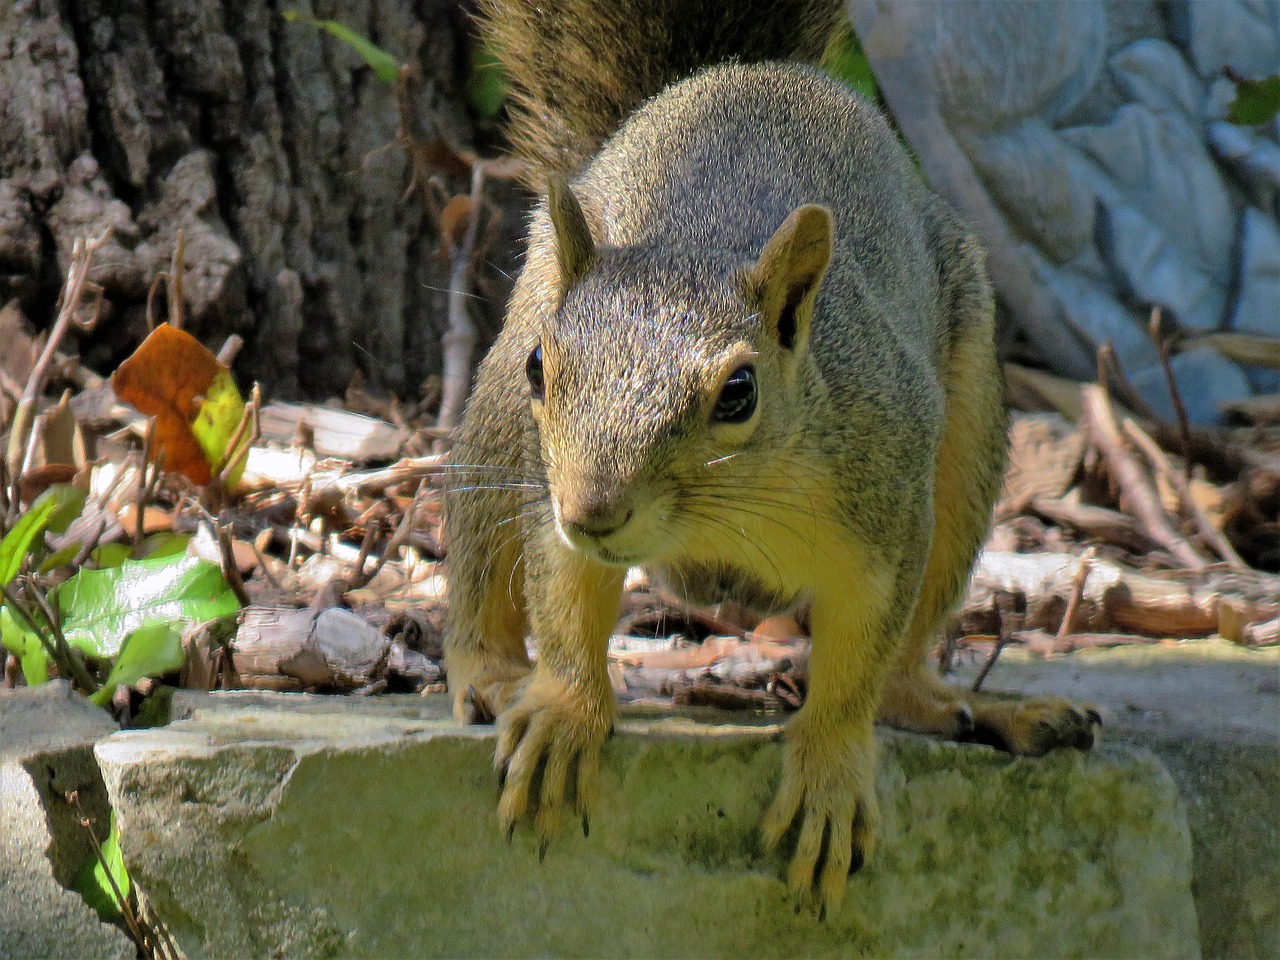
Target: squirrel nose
(596, 516)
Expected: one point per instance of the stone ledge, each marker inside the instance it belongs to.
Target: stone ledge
(46, 749)
(1210, 711)
(300, 827)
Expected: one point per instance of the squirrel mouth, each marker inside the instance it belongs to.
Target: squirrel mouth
(614, 559)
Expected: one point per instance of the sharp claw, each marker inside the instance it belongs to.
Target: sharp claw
(542, 850)
(1094, 716)
(502, 776)
(511, 832)
(822, 913)
(586, 825)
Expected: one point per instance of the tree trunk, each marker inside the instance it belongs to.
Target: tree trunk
(270, 144)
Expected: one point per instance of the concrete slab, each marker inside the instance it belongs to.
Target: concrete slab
(297, 826)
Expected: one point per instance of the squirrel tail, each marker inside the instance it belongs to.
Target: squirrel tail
(578, 68)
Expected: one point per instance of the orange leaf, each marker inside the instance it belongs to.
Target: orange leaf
(167, 378)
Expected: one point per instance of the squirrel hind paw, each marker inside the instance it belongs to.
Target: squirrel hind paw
(1035, 726)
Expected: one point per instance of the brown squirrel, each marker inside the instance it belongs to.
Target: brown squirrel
(751, 352)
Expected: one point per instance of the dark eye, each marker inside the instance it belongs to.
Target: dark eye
(737, 397)
(533, 370)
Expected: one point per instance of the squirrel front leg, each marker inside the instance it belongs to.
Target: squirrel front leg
(559, 722)
(829, 768)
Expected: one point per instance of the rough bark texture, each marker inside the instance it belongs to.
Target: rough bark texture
(271, 144)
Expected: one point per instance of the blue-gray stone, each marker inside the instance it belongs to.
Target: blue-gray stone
(1206, 380)
(1090, 306)
(1155, 74)
(1257, 308)
(1027, 171)
(1152, 270)
(1253, 158)
(1048, 54)
(1243, 34)
(1160, 165)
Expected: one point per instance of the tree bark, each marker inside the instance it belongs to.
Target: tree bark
(270, 144)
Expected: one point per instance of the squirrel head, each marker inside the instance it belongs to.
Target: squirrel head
(665, 378)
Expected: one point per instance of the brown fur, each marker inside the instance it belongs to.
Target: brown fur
(750, 216)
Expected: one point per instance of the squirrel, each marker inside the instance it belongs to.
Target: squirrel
(751, 352)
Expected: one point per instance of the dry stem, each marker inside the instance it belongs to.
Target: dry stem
(1133, 480)
(459, 340)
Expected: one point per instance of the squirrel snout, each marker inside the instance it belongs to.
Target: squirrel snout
(595, 516)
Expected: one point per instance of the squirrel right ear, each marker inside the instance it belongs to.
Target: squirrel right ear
(790, 268)
(575, 250)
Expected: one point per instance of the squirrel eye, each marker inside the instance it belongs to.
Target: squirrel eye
(737, 399)
(533, 370)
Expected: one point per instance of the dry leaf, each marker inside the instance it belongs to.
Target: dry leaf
(453, 223)
(176, 379)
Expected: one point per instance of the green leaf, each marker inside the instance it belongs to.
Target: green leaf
(53, 510)
(166, 543)
(382, 63)
(92, 881)
(1256, 102)
(111, 555)
(60, 558)
(26, 646)
(487, 85)
(102, 607)
(153, 649)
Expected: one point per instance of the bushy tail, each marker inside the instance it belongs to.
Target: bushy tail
(579, 67)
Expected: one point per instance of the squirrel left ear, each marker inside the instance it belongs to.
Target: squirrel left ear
(575, 250)
(789, 271)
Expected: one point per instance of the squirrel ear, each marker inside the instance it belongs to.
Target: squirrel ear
(789, 270)
(575, 250)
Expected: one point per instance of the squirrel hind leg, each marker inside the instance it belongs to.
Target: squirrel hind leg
(921, 702)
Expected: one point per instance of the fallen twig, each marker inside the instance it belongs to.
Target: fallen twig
(1179, 408)
(1133, 481)
(1077, 591)
(1180, 483)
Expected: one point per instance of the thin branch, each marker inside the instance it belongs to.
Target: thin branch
(459, 340)
(126, 908)
(1179, 408)
(1212, 535)
(230, 571)
(1132, 479)
(77, 277)
(177, 268)
(1077, 592)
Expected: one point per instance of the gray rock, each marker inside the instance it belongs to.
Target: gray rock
(295, 826)
(1155, 74)
(1073, 134)
(1253, 158)
(1244, 34)
(46, 743)
(1257, 308)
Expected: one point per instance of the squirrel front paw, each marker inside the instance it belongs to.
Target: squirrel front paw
(481, 691)
(828, 780)
(548, 755)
